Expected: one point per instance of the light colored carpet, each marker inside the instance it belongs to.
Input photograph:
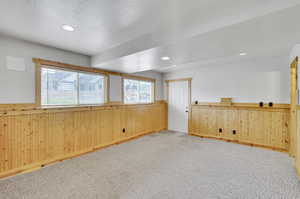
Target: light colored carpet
(165, 165)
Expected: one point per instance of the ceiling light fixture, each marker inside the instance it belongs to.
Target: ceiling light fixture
(165, 58)
(68, 28)
(243, 53)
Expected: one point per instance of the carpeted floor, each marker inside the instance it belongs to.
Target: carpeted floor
(165, 165)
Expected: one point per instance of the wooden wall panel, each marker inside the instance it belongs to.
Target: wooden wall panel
(211, 122)
(117, 126)
(293, 109)
(297, 158)
(244, 126)
(266, 127)
(32, 138)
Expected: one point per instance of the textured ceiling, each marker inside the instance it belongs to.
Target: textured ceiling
(132, 35)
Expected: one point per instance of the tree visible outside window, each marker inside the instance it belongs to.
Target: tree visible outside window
(138, 91)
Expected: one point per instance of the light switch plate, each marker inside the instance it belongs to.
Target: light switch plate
(15, 63)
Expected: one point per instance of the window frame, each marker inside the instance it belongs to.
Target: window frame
(144, 79)
(78, 71)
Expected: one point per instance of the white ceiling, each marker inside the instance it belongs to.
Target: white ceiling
(132, 35)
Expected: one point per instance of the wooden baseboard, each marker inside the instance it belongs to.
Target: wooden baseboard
(240, 142)
(39, 165)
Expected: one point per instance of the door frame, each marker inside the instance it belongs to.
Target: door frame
(189, 79)
(293, 107)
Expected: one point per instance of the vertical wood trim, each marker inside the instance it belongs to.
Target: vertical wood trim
(107, 89)
(190, 108)
(38, 84)
(167, 105)
(154, 91)
(293, 109)
(297, 159)
(78, 89)
(122, 88)
(167, 92)
(190, 91)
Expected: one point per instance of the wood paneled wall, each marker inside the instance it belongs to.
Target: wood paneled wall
(33, 138)
(297, 154)
(266, 127)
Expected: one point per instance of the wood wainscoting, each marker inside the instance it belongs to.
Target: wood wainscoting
(32, 138)
(245, 124)
(297, 154)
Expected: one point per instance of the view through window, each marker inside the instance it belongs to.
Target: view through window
(138, 91)
(61, 87)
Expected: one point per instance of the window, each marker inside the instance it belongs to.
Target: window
(62, 87)
(91, 89)
(138, 91)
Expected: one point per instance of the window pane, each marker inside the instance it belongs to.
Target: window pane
(145, 92)
(58, 87)
(91, 89)
(131, 91)
(136, 91)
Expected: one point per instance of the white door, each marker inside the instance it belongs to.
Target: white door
(178, 102)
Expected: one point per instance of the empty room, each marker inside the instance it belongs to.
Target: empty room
(149, 99)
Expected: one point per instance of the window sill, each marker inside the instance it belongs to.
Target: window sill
(139, 103)
(94, 105)
(74, 106)
(53, 109)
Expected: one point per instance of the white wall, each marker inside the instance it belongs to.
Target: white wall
(295, 52)
(115, 88)
(19, 86)
(243, 84)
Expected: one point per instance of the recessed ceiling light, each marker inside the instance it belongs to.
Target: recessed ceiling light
(243, 53)
(68, 28)
(165, 58)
